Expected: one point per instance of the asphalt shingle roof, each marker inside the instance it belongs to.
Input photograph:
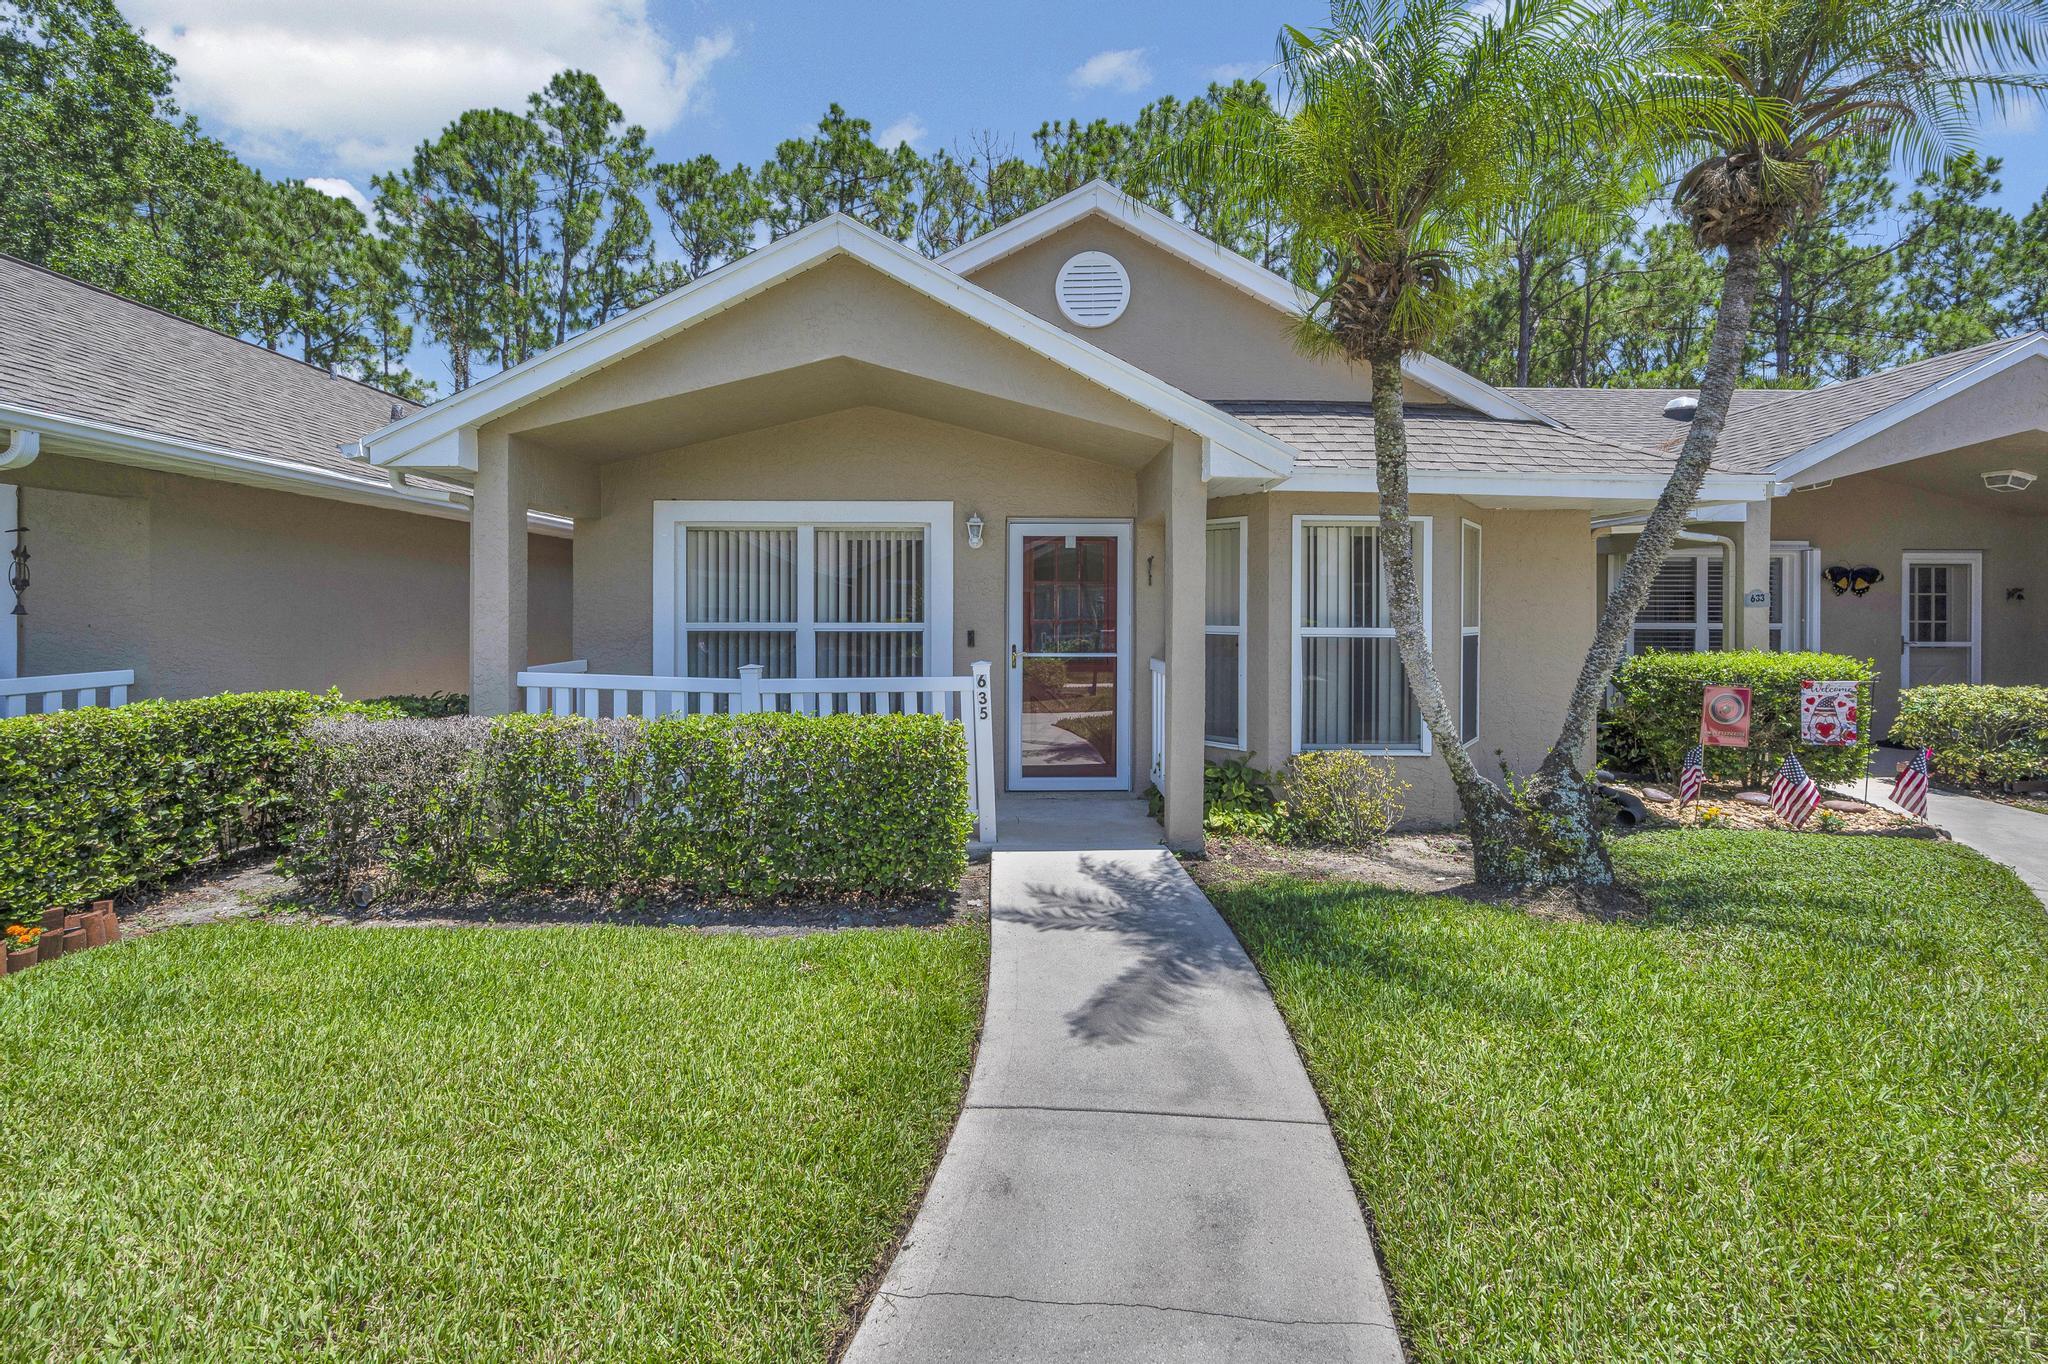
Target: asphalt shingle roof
(1629, 416)
(1766, 426)
(1441, 439)
(68, 348)
(1762, 441)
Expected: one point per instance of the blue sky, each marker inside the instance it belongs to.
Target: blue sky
(335, 93)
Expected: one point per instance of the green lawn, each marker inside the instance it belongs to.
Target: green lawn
(258, 1142)
(1801, 1114)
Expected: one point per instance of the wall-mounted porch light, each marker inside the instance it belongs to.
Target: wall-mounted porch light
(974, 525)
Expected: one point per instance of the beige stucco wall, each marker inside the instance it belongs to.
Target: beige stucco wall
(1191, 329)
(1874, 519)
(867, 454)
(203, 586)
(1536, 610)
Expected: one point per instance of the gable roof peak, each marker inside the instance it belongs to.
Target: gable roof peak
(1101, 199)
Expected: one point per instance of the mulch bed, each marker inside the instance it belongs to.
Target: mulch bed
(252, 887)
(1734, 807)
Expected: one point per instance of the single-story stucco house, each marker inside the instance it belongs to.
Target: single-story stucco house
(1083, 453)
(190, 517)
(1903, 526)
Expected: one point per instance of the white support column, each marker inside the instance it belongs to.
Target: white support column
(1187, 524)
(497, 579)
(1752, 619)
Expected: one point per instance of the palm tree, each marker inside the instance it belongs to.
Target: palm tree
(1908, 75)
(1405, 135)
(1404, 140)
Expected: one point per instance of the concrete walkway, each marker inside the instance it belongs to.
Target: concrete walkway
(1142, 1171)
(2018, 838)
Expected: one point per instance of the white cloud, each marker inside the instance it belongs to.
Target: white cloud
(1239, 71)
(340, 189)
(910, 128)
(1122, 69)
(358, 85)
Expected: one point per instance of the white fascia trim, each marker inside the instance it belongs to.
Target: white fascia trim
(146, 450)
(1183, 242)
(1592, 487)
(2025, 348)
(778, 261)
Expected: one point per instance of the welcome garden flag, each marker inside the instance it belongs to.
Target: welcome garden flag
(1827, 713)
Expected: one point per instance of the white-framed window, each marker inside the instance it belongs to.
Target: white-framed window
(1223, 624)
(1350, 690)
(805, 589)
(1468, 630)
(1794, 606)
(1685, 611)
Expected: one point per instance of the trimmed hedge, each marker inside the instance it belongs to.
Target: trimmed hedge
(95, 801)
(749, 806)
(1656, 715)
(1980, 735)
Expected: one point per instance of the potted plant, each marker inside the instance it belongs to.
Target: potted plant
(24, 946)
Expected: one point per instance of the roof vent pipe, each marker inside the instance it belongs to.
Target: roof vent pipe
(1682, 408)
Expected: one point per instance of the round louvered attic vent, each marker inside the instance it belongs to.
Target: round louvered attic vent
(1093, 289)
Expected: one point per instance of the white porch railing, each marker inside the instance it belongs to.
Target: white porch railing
(62, 691)
(571, 689)
(1159, 724)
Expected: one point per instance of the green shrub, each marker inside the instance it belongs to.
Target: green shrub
(432, 705)
(1980, 735)
(1339, 798)
(1656, 712)
(755, 806)
(98, 800)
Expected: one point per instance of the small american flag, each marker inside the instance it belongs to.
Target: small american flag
(1909, 789)
(1692, 778)
(1793, 793)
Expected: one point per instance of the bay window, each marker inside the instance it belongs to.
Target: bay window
(1350, 689)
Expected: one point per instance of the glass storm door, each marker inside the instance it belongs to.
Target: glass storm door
(1942, 609)
(1070, 656)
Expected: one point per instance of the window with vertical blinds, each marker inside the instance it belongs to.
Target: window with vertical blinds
(1468, 631)
(1352, 691)
(1223, 710)
(804, 600)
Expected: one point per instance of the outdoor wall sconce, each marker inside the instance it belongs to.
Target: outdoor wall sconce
(17, 570)
(2015, 594)
(974, 525)
(1856, 580)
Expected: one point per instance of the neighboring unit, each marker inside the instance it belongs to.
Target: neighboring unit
(190, 515)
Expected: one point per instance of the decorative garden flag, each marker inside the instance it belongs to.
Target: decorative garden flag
(1827, 712)
(1909, 788)
(1724, 717)
(1693, 777)
(1793, 793)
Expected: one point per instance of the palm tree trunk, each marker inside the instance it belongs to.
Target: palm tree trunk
(1487, 810)
(1660, 532)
